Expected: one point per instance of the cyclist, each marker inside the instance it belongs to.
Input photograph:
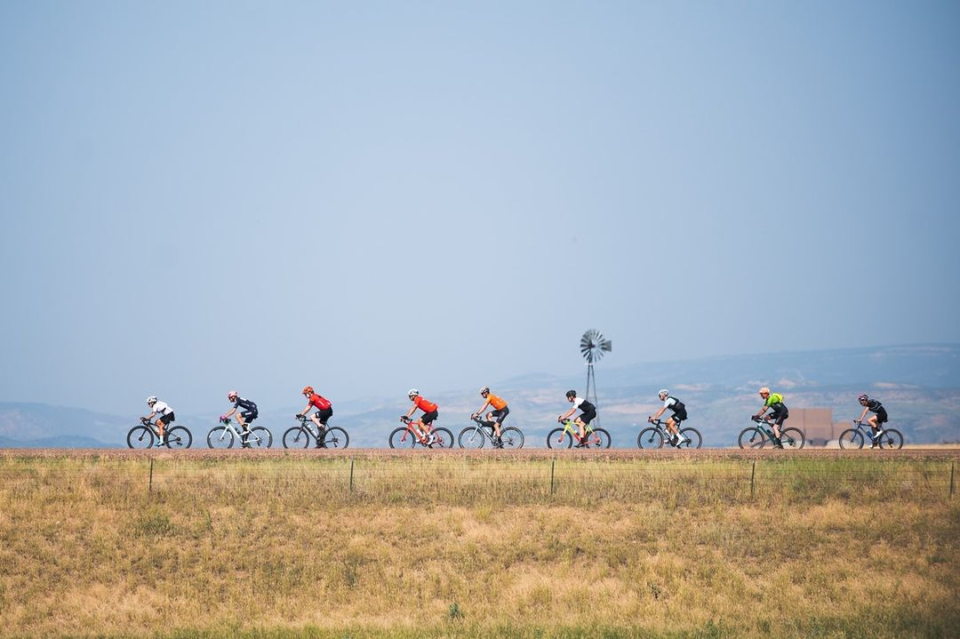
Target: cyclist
(778, 412)
(679, 410)
(875, 422)
(496, 416)
(430, 414)
(587, 413)
(247, 414)
(323, 414)
(159, 408)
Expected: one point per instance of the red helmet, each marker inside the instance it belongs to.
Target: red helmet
(308, 390)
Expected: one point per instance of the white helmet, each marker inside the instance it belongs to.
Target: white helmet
(413, 392)
(151, 400)
(663, 391)
(485, 389)
(764, 391)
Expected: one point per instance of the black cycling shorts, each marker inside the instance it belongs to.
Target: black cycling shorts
(166, 419)
(500, 414)
(779, 413)
(588, 416)
(882, 416)
(323, 414)
(248, 416)
(429, 417)
(680, 417)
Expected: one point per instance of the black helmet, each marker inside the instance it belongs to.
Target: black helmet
(571, 393)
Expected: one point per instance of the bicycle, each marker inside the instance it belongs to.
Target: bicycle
(144, 435)
(223, 436)
(757, 436)
(328, 437)
(853, 438)
(594, 438)
(476, 436)
(654, 436)
(398, 438)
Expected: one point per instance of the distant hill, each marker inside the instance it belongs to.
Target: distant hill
(919, 385)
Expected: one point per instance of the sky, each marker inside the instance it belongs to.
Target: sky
(372, 196)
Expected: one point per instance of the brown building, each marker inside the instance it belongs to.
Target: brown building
(816, 423)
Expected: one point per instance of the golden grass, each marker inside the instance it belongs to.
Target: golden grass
(447, 547)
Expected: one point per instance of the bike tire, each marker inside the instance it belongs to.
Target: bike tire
(444, 438)
(650, 438)
(792, 438)
(851, 439)
(336, 438)
(752, 438)
(694, 440)
(471, 437)
(602, 435)
(397, 439)
(553, 439)
(220, 437)
(891, 440)
(512, 438)
(140, 437)
(260, 437)
(296, 437)
(179, 438)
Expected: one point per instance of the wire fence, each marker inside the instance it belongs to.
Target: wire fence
(466, 480)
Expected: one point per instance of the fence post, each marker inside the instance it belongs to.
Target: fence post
(753, 474)
(553, 465)
(952, 465)
(351, 474)
(151, 475)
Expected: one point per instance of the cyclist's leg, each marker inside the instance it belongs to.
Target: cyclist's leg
(499, 416)
(162, 425)
(672, 427)
(426, 422)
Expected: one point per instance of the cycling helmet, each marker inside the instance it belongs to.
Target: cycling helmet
(571, 393)
(485, 389)
(232, 395)
(152, 400)
(764, 390)
(663, 391)
(413, 392)
(307, 390)
(862, 398)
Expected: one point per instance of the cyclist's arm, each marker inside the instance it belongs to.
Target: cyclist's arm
(863, 414)
(762, 411)
(659, 412)
(412, 410)
(483, 408)
(230, 413)
(151, 416)
(568, 414)
(306, 410)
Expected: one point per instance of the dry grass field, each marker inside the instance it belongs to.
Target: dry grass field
(414, 544)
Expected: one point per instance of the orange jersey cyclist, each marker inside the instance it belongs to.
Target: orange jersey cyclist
(323, 414)
(430, 414)
(497, 415)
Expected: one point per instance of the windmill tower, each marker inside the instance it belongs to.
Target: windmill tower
(592, 347)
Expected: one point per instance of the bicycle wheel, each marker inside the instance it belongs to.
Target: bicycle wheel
(891, 440)
(792, 438)
(296, 437)
(260, 437)
(693, 438)
(140, 437)
(601, 435)
(471, 437)
(851, 439)
(553, 439)
(752, 438)
(444, 438)
(220, 437)
(179, 437)
(402, 438)
(512, 438)
(650, 438)
(335, 437)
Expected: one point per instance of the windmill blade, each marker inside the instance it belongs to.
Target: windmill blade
(593, 345)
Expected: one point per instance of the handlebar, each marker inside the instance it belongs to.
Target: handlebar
(655, 422)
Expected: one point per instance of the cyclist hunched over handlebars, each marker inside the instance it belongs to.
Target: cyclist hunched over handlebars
(247, 414)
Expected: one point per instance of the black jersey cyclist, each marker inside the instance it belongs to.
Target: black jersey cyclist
(247, 413)
(876, 420)
(679, 414)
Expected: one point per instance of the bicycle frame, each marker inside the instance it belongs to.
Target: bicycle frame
(411, 430)
(228, 424)
(570, 427)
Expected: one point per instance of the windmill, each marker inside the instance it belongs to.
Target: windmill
(592, 347)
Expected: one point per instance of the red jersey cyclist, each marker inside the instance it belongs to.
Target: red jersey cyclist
(430, 415)
(323, 414)
(497, 415)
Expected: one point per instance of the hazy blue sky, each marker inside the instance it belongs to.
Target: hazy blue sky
(369, 196)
